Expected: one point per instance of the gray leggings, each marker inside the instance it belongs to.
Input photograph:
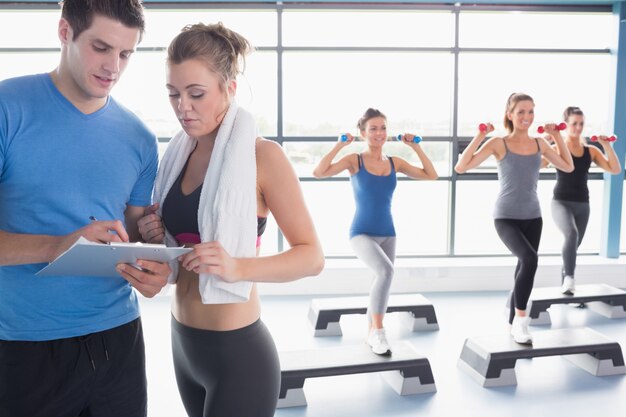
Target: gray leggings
(378, 253)
(232, 373)
(571, 217)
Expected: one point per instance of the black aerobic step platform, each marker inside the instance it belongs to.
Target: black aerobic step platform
(491, 359)
(601, 298)
(325, 313)
(410, 371)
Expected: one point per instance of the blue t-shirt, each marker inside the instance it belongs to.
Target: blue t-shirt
(373, 195)
(58, 166)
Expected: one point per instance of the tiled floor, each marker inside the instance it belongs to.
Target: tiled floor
(547, 386)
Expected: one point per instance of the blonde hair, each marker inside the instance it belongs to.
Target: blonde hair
(510, 106)
(222, 49)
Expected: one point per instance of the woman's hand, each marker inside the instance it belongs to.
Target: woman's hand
(552, 129)
(486, 128)
(408, 138)
(150, 226)
(148, 277)
(211, 258)
(474, 154)
(345, 139)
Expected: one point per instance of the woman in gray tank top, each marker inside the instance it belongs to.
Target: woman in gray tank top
(517, 214)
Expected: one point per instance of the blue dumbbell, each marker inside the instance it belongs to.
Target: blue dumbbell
(416, 139)
(344, 138)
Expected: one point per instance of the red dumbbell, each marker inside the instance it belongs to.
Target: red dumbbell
(560, 126)
(612, 138)
(484, 127)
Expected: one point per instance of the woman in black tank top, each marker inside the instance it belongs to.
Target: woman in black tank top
(570, 203)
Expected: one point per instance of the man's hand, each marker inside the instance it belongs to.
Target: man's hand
(149, 280)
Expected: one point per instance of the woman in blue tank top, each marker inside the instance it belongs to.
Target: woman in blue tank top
(372, 234)
(570, 203)
(517, 214)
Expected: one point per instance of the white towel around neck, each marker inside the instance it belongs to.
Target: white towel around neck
(227, 212)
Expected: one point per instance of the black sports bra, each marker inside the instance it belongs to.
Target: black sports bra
(180, 213)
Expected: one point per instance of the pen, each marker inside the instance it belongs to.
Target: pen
(93, 219)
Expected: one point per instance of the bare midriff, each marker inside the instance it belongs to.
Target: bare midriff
(188, 309)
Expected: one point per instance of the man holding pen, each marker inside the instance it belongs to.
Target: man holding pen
(73, 346)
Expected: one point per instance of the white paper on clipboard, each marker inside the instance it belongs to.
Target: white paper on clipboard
(85, 258)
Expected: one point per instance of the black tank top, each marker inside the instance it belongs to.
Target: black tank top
(572, 186)
(180, 213)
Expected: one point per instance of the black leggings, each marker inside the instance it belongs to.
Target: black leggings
(522, 238)
(226, 373)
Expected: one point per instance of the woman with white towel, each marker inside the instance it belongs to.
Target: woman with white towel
(216, 185)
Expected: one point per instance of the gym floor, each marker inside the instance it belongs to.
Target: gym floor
(545, 386)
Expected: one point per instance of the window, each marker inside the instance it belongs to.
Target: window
(414, 90)
(368, 28)
(318, 67)
(16, 29)
(542, 30)
(258, 26)
(555, 81)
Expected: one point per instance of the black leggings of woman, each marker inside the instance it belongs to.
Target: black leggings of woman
(522, 238)
(226, 373)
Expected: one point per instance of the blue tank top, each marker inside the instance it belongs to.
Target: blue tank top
(373, 195)
(518, 175)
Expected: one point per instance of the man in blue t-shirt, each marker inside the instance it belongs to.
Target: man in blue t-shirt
(71, 345)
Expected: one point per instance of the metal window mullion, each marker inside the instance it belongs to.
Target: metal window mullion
(29, 50)
(367, 48)
(535, 8)
(444, 49)
(334, 179)
(280, 239)
(207, 5)
(383, 49)
(334, 138)
(455, 143)
(365, 7)
(536, 50)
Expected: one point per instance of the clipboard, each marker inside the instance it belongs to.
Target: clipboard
(85, 258)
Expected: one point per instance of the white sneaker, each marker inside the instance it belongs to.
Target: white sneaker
(519, 330)
(568, 286)
(378, 342)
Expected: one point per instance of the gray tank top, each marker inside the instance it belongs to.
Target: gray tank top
(518, 175)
